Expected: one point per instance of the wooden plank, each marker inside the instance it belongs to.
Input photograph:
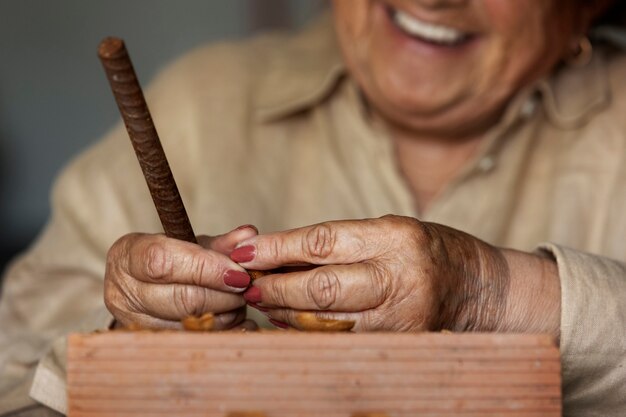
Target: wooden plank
(262, 390)
(216, 380)
(293, 373)
(285, 339)
(309, 367)
(313, 355)
(274, 405)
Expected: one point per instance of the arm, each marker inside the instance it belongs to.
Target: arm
(396, 273)
(593, 332)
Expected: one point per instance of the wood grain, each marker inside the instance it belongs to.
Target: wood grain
(312, 374)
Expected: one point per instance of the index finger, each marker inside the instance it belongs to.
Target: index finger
(335, 242)
(161, 260)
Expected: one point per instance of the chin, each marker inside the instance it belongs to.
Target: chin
(406, 103)
(432, 120)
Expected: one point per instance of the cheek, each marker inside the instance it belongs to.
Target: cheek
(522, 45)
(352, 20)
(355, 31)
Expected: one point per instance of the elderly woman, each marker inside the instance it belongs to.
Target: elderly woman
(498, 119)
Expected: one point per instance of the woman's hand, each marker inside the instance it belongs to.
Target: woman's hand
(396, 273)
(152, 281)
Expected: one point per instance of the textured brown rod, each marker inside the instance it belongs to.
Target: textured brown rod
(145, 140)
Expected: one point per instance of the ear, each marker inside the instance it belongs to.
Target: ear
(585, 15)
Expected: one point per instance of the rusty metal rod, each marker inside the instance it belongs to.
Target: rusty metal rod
(143, 135)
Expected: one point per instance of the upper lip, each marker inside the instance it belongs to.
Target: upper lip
(424, 17)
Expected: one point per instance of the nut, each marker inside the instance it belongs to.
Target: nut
(310, 322)
(203, 323)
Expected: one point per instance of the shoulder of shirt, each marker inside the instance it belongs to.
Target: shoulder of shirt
(216, 89)
(276, 73)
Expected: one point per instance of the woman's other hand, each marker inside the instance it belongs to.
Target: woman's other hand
(400, 274)
(153, 281)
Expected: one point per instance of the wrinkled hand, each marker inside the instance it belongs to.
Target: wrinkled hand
(152, 281)
(392, 273)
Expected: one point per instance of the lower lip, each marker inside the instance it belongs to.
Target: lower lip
(424, 46)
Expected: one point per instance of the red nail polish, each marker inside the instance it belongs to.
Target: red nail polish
(243, 254)
(248, 226)
(236, 279)
(252, 295)
(279, 324)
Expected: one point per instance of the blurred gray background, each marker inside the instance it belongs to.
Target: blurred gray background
(54, 100)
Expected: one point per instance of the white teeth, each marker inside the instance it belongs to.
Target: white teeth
(427, 31)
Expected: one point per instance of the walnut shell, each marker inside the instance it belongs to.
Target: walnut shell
(203, 323)
(254, 274)
(310, 322)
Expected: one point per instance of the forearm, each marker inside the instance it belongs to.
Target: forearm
(496, 289)
(533, 299)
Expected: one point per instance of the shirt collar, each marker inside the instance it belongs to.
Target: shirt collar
(575, 94)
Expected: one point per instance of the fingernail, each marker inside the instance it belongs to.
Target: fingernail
(252, 295)
(236, 279)
(279, 324)
(243, 254)
(248, 226)
(258, 307)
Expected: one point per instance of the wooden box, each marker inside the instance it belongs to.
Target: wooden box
(285, 373)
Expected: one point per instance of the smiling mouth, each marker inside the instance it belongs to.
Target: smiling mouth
(427, 32)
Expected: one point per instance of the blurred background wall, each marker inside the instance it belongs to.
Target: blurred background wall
(54, 100)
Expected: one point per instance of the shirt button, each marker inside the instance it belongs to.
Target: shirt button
(486, 163)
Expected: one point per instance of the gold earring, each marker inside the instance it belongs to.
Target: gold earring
(580, 55)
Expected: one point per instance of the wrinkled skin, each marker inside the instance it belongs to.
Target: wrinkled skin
(396, 273)
(154, 282)
(415, 278)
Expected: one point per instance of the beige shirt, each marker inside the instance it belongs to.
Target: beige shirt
(272, 132)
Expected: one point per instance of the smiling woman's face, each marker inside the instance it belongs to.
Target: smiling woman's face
(448, 67)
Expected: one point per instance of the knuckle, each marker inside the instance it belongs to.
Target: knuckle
(324, 289)
(277, 291)
(417, 229)
(199, 266)
(408, 228)
(274, 248)
(380, 287)
(158, 262)
(189, 300)
(319, 242)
